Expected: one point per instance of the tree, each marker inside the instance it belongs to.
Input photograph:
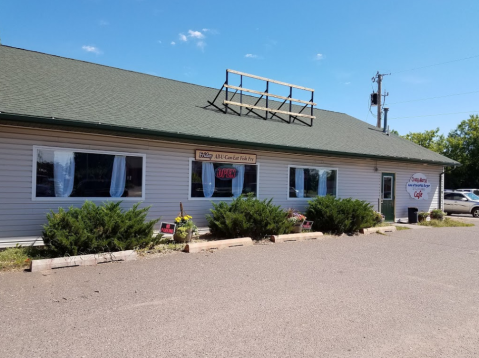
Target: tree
(429, 139)
(462, 145)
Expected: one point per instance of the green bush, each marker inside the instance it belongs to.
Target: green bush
(247, 216)
(338, 216)
(437, 214)
(93, 229)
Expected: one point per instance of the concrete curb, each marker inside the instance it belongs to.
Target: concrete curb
(219, 244)
(382, 229)
(295, 237)
(81, 260)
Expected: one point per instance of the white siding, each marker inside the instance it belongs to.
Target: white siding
(167, 173)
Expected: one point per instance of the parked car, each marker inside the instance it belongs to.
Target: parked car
(461, 203)
(474, 191)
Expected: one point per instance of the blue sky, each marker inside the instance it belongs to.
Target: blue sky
(335, 47)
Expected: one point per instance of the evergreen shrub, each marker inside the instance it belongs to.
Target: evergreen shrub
(338, 216)
(247, 216)
(94, 229)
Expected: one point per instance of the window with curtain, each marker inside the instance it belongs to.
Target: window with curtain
(310, 182)
(222, 180)
(77, 174)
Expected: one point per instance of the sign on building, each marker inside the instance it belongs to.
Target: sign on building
(418, 186)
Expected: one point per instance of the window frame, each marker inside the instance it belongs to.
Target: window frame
(309, 167)
(82, 199)
(191, 160)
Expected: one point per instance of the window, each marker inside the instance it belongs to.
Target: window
(222, 180)
(387, 188)
(307, 182)
(67, 173)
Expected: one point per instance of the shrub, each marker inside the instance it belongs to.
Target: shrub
(423, 215)
(378, 218)
(437, 214)
(338, 216)
(247, 216)
(93, 229)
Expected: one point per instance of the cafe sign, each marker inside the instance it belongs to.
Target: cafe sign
(418, 186)
(224, 157)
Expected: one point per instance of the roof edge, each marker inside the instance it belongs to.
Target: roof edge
(180, 136)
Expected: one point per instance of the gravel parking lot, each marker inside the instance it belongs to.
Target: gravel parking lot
(414, 293)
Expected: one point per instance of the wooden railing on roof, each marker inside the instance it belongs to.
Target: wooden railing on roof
(269, 111)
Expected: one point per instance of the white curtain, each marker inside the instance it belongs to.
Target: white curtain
(299, 182)
(238, 181)
(63, 173)
(118, 176)
(208, 179)
(322, 187)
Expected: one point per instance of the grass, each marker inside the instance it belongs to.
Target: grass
(402, 228)
(166, 245)
(19, 258)
(445, 223)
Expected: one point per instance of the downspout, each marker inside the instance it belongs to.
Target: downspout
(441, 189)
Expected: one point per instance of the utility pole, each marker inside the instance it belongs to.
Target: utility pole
(379, 79)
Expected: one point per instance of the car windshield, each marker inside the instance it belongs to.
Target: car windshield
(472, 196)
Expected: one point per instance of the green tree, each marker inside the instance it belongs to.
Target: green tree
(429, 139)
(462, 145)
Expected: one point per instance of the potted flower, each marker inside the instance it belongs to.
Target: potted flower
(437, 214)
(297, 219)
(185, 228)
(422, 216)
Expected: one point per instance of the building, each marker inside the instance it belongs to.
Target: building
(72, 130)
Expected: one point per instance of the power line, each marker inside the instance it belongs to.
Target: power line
(432, 115)
(437, 64)
(424, 99)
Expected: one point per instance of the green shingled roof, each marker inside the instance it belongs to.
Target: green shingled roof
(60, 90)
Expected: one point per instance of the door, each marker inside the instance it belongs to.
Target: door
(388, 195)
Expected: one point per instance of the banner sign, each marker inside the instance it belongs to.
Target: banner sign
(224, 157)
(225, 173)
(308, 225)
(167, 228)
(418, 186)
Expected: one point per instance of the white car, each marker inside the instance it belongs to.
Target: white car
(474, 191)
(461, 203)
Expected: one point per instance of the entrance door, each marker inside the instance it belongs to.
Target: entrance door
(388, 195)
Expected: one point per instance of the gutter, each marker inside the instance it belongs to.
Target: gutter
(195, 138)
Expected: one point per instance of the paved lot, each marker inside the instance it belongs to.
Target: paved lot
(413, 293)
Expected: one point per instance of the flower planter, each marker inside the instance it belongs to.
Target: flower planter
(181, 239)
(298, 228)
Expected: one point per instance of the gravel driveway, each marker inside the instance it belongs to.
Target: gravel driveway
(414, 293)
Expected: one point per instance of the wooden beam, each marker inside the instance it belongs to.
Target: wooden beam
(269, 80)
(270, 95)
(269, 109)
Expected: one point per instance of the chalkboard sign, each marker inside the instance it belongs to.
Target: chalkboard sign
(308, 225)
(167, 228)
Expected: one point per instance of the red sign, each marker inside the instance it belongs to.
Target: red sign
(225, 173)
(167, 228)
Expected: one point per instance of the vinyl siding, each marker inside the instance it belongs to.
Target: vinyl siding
(167, 177)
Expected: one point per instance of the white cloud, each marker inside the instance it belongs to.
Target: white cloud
(183, 38)
(201, 45)
(195, 34)
(250, 55)
(319, 56)
(173, 43)
(91, 49)
(159, 41)
(347, 83)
